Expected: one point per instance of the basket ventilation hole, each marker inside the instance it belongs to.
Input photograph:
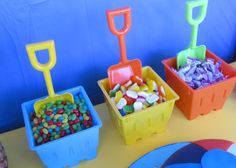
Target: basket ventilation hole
(134, 127)
(201, 101)
(88, 145)
(213, 98)
(154, 133)
(224, 95)
(119, 123)
(55, 156)
(72, 152)
(149, 122)
(139, 139)
(163, 117)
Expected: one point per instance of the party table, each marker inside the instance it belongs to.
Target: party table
(112, 151)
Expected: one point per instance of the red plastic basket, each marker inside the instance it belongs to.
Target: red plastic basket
(200, 101)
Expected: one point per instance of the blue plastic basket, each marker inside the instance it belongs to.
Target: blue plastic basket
(69, 150)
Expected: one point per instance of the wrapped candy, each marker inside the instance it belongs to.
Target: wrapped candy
(197, 73)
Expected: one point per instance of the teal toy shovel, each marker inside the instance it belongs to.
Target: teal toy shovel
(193, 50)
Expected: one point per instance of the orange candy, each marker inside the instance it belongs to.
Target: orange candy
(136, 79)
(161, 91)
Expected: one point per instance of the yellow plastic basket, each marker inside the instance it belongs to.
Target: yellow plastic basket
(141, 124)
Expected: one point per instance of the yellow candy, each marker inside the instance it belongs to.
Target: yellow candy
(144, 87)
(57, 116)
(149, 91)
(38, 115)
(151, 85)
(134, 87)
(53, 126)
(41, 112)
(118, 96)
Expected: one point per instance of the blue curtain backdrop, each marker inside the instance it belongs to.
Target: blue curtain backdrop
(86, 48)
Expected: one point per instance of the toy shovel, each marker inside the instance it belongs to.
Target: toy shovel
(122, 72)
(193, 50)
(45, 68)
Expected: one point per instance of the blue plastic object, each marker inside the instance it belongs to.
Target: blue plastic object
(191, 153)
(185, 165)
(217, 158)
(71, 149)
(157, 157)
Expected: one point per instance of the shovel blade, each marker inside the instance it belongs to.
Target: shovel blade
(64, 97)
(198, 52)
(121, 73)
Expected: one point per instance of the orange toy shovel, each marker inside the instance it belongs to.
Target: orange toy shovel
(122, 72)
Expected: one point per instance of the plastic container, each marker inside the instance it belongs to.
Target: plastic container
(200, 101)
(141, 124)
(69, 150)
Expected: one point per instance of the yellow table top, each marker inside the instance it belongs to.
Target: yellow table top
(114, 153)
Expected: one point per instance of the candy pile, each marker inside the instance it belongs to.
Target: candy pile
(197, 73)
(60, 118)
(136, 94)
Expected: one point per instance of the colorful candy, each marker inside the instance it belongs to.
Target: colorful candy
(132, 94)
(197, 73)
(122, 102)
(137, 94)
(152, 98)
(136, 79)
(138, 105)
(60, 118)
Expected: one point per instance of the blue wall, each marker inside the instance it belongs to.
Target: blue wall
(86, 48)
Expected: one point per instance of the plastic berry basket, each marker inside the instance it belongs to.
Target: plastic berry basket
(200, 101)
(67, 151)
(141, 124)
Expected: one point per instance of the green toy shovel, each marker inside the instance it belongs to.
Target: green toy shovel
(193, 50)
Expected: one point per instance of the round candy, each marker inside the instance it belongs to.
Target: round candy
(60, 118)
(137, 94)
(128, 108)
(152, 98)
(132, 94)
(138, 106)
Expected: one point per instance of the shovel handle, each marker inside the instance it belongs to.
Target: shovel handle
(202, 13)
(190, 5)
(127, 20)
(120, 33)
(45, 68)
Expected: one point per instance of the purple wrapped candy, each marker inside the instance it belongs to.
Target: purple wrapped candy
(191, 84)
(184, 69)
(181, 75)
(197, 76)
(192, 70)
(188, 78)
(198, 73)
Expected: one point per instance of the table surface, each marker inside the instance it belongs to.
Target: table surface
(112, 151)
